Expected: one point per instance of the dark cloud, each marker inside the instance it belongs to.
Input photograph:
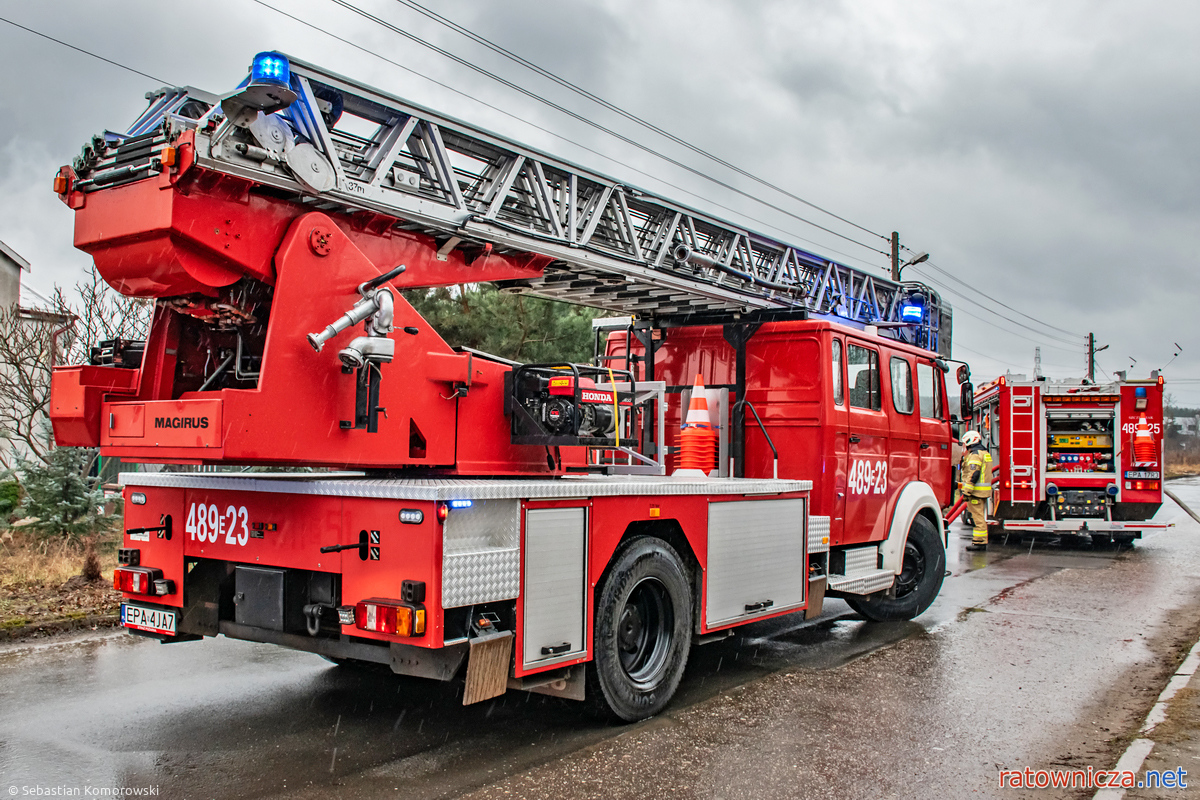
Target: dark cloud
(1045, 153)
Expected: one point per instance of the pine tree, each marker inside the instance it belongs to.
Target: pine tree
(59, 494)
(512, 326)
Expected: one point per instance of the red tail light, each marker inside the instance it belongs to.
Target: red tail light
(136, 580)
(391, 617)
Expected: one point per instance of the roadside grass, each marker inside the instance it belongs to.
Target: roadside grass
(40, 581)
(1179, 468)
(27, 563)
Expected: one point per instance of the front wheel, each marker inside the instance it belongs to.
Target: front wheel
(919, 581)
(643, 631)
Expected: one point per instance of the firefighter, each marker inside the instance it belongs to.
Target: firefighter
(975, 483)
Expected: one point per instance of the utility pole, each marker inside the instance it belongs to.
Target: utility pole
(1037, 363)
(1092, 350)
(897, 267)
(896, 256)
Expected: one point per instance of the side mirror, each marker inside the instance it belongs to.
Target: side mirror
(967, 401)
(964, 374)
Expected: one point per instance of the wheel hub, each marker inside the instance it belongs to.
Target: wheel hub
(912, 570)
(645, 631)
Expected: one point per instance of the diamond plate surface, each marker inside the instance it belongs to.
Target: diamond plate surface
(464, 488)
(480, 577)
(862, 584)
(862, 560)
(486, 525)
(818, 534)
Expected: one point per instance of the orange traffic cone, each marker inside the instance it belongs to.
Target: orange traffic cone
(698, 439)
(1145, 451)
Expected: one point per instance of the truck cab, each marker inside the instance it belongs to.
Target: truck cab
(867, 414)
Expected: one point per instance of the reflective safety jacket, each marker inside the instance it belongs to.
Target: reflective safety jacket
(975, 480)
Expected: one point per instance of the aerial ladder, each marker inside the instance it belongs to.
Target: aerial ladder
(339, 145)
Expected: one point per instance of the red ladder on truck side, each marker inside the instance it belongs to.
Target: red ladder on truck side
(1022, 443)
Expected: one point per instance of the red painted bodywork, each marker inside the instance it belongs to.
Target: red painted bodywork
(193, 231)
(789, 381)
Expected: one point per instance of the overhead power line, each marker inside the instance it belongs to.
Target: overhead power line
(1046, 337)
(960, 310)
(545, 73)
(591, 123)
(555, 134)
(85, 52)
(991, 299)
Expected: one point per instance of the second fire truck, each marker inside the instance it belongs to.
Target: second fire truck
(1074, 457)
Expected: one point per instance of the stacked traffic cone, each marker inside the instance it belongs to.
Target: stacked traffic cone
(698, 439)
(1145, 451)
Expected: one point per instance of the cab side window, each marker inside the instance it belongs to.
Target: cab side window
(902, 393)
(862, 371)
(838, 393)
(927, 390)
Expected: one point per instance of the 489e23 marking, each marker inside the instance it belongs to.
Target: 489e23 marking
(206, 523)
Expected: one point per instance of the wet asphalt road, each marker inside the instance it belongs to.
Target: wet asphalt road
(1046, 658)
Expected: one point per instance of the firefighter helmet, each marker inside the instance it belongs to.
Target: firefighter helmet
(971, 438)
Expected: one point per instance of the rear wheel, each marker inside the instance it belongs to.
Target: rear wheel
(1124, 539)
(920, 579)
(643, 631)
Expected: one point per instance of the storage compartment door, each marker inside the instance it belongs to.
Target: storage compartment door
(757, 560)
(555, 585)
(258, 597)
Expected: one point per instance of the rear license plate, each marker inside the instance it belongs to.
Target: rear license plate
(1141, 476)
(154, 620)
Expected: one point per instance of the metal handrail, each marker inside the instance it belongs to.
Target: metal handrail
(763, 428)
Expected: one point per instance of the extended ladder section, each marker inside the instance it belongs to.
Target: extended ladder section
(347, 147)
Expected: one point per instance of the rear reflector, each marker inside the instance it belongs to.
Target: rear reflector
(391, 617)
(138, 580)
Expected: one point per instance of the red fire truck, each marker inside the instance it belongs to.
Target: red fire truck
(1074, 457)
(513, 522)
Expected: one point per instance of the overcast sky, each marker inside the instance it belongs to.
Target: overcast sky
(1044, 153)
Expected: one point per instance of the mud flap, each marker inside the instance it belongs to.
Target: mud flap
(487, 666)
(816, 597)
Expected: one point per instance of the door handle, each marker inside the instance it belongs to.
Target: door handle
(854, 440)
(924, 445)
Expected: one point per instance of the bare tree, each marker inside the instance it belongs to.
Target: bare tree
(25, 349)
(100, 314)
(34, 340)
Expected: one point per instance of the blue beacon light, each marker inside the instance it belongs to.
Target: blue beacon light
(911, 312)
(461, 503)
(270, 67)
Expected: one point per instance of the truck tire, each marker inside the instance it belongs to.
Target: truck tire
(919, 581)
(643, 632)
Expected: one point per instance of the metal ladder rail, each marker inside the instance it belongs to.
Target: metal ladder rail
(615, 246)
